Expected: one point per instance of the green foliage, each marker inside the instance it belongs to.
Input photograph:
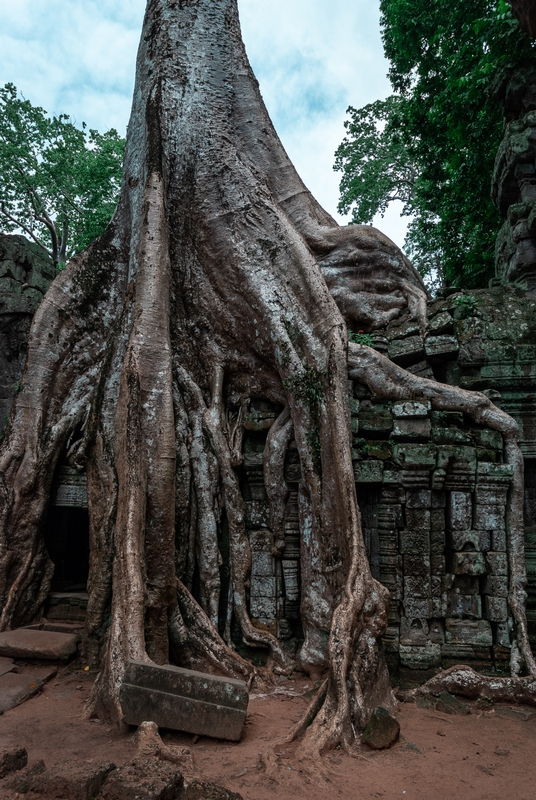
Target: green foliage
(433, 143)
(308, 387)
(361, 338)
(58, 183)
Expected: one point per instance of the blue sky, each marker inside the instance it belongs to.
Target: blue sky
(313, 58)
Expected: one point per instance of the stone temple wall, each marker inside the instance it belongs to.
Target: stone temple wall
(431, 485)
(25, 274)
(432, 488)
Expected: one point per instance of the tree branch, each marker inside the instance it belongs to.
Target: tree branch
(23, 227)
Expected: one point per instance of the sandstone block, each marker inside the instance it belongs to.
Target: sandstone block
(368, 471)
(498, 539)
(419, 499)
(418, 607)
(468, 540)
(468, 563)
(460, 511)
(438, 565)
(420, 657)
(464, 605)
(418, 519)
(185, 700)
(497, 563)
(415, 456)
(36, 644)
(16, 688)
(496, 585)
(437, 519)
(411, 430)
(439, 605)
(143, 779)
(489, 518)
(496, 608)
(381, 731)
(406, 351)
(414, 541)
(467, 631)
(441, 348)
(437, 542)
(417, 565)
(411, 409)
(502, 634)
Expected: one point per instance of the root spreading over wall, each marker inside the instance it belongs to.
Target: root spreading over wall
(219, 280)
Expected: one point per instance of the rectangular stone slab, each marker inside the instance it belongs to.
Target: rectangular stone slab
(184, 700)
(31, 644)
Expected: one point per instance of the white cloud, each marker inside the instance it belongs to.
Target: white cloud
(313, 58)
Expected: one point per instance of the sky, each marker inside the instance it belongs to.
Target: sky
(313, 58)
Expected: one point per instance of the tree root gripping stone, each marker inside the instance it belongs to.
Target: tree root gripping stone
(381, 731)
(184, 700)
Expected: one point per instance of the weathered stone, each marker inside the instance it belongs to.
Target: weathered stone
(185, 700)
(411, 430)
(498, 539)
(468, 540)
(414, 541)
(257, 514)
(417, 565)
(418, 608)
(16, 688)
(436, 631)
(438, 565)
(368, 471)
(467, 563)
(406, 351)
(496, 585)
(28, 777)
(421, 498)
(75, 780)
(467, 631)
(488, 438)
(143, 779)
(464, 605)
(424, 656)
(6, 665)
(27, 643)
(411, 409)
(497, 563)
(202, 790)
(489, 518)
(502, 635)
(418, 519)
(449, 704)
(381, 731)
(460, 511)
(441, 348)
(415, 456)
(413, 631)
(495, 608)
(12, 760)
(437, 519)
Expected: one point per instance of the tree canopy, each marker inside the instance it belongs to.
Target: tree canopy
(59, 183)
(433, 143)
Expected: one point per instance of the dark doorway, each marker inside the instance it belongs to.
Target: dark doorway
(67, 541)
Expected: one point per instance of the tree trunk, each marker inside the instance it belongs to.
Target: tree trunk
(211, 286)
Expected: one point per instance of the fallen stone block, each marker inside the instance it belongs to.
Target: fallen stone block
(16, 688)
(6, 665)
(184, 700)
(381, 731)
(12, 760)
(74, 780)
(143, 779)
(201, 790)
(31, 644)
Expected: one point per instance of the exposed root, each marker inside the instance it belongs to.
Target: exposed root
(466, 682)
(150, 745)
(276, 487)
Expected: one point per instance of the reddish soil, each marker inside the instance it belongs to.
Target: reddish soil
(488, 754)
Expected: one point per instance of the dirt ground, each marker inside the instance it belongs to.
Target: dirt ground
(488, 754)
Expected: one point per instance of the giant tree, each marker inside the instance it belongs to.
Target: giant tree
(211, 286)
